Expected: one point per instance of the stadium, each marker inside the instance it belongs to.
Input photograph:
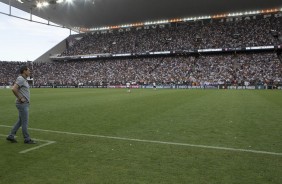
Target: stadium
(160, 92)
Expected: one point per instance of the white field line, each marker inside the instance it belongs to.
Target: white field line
(157, 142)
(40, 146)
(36, 147)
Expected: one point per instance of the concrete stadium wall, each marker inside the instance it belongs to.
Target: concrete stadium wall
(57, 49)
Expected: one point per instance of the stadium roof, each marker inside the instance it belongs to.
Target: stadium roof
(98, 13)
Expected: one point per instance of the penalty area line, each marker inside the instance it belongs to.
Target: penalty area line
(157, 142)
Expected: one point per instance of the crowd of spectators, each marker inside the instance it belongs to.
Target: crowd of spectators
(191, 70)
(205, 69)
(9, 71)
(180, 36)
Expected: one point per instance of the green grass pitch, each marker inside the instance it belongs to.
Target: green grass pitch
(146, 136)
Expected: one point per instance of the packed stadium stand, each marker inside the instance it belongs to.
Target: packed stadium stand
(240, 65)
(205, 34)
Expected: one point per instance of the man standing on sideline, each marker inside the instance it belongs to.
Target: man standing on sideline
(21, 91)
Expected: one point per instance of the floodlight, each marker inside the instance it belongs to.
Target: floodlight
(39, 5)
(45, 4)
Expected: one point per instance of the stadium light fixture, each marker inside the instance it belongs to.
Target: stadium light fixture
(39, 5)
(44, 4)
(59, 1)
(235, 14)
(20, 1)
(218, 16)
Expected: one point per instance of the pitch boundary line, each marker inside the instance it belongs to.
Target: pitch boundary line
(36, 147)
(156, 142)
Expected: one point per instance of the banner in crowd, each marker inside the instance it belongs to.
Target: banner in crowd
(257, 87)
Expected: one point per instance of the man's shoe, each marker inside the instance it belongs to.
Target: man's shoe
(11, 139)
(30, 142)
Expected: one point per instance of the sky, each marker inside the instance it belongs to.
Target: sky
(22, 40)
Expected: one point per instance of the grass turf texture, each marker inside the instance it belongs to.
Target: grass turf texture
(240, 119)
